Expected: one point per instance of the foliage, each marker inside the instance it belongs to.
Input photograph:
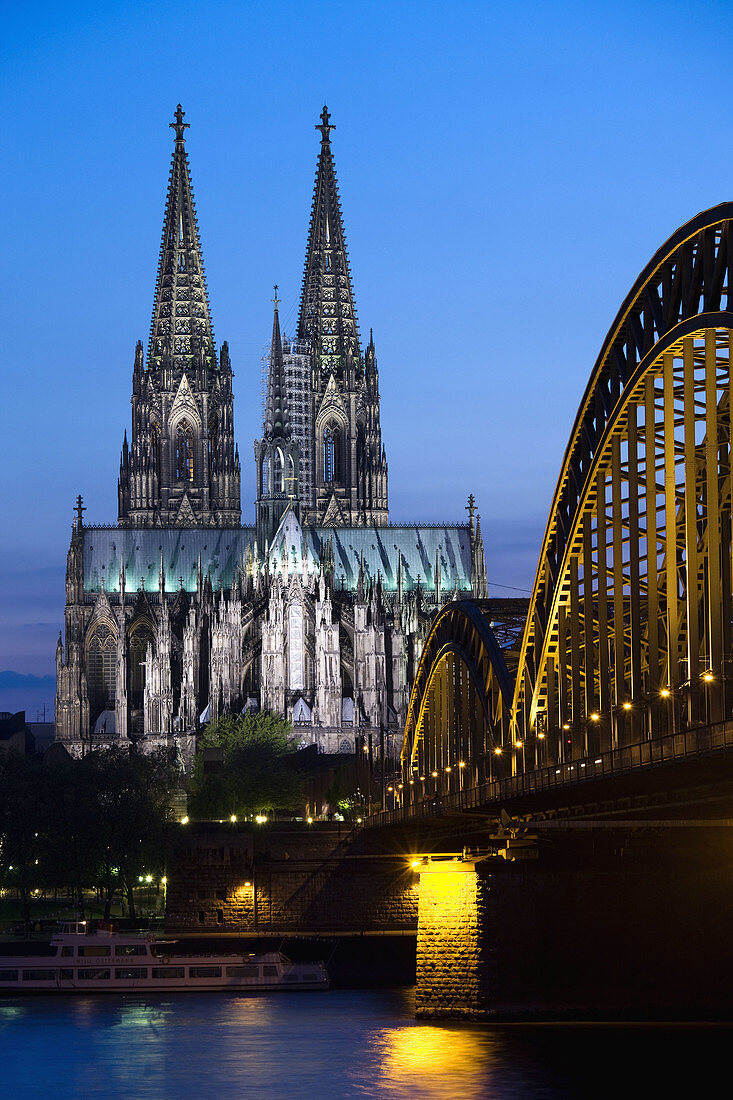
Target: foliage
(99, 821)
(258, 770)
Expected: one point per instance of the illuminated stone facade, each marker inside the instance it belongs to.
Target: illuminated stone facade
(318, 611)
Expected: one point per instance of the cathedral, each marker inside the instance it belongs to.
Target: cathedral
(179, 612)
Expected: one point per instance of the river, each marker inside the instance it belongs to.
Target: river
(345, 1043)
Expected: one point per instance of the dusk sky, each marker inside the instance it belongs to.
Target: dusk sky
(505, 170)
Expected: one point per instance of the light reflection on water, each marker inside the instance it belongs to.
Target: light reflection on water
(340, 1044)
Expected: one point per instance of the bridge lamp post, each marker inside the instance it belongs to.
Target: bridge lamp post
(448, 771)
(666, 694)
(707, 679)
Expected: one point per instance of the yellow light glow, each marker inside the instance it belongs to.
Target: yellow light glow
(184, 821)
(461, 763)
(429, 1061)
(708, 677)
(449, 769)
(412, 782)
(434, 775)
(595, 716)
(248, 884)
(390, 788)
(310, 820)
(540, 736)
(518, 744)
(566, 726)
(497, 752)
(664, 693)
(233, 818)
(163, 881)
(627, 706)
(415, 863)
(260, 819)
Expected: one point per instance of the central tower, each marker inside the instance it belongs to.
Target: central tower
(349, 467)
(181, 468)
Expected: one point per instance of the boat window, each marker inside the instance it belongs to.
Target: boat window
(310, 977)
(204, 971)
(39, 975)
(131, 972)
(243, 972)
(93, 974)
(99, 951)
(291, 978)
(67, 951)
(269, 971)
(8, 975)
(169, 972)
(131, 949)
(66, 974)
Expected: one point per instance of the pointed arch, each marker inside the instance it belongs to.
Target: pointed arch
(140, 636)
(101, 665)
(184, 451)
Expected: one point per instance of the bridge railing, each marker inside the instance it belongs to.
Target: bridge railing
(685, 744)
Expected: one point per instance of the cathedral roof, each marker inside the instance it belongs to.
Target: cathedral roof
(222, 550)
(327, 311)
(181, 315)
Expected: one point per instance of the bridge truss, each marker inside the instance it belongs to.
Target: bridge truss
(629, 635)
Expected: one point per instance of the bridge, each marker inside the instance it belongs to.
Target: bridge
(560, 830)
(613, 714)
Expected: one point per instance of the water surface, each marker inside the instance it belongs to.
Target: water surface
(344, 1043)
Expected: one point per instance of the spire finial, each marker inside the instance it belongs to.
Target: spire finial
(179, 125)
(325, 126)
(276, 301)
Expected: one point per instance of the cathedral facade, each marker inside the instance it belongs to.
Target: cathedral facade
(317, 611)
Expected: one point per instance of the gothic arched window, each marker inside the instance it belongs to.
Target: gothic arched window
(331, 453)
(265, 475)
(155, 443)
(184, 452)
(101, 663)
(141, 637)
(277, 471)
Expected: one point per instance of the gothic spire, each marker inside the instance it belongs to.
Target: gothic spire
(277, 417)
(327, 310)
(181, 323)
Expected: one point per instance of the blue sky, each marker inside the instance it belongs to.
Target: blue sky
(505, 169)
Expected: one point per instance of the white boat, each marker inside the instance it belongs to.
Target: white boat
(102, 960)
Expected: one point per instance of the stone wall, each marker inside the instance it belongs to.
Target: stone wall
(456, 969)
(286, 878)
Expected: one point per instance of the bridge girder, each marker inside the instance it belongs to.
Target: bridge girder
(629, 634)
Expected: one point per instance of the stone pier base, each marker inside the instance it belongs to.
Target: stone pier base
(456, 971)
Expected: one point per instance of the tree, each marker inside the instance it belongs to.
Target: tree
(258, 769)
(21, 797)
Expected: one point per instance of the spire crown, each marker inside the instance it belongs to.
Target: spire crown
(325, 126)
(179, 125)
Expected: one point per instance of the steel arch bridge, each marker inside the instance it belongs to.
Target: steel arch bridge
(629, 636)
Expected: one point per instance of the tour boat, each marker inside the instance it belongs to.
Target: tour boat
(102, 960)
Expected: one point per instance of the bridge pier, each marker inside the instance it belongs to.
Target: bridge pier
(455, 966)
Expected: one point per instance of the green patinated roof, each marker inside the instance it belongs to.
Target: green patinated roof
(223, 550)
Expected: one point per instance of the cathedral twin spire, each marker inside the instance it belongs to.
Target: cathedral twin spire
(181, 325)
(327, 312)
(181, 467)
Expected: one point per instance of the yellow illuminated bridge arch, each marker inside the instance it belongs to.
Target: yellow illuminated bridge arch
(629, 636)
